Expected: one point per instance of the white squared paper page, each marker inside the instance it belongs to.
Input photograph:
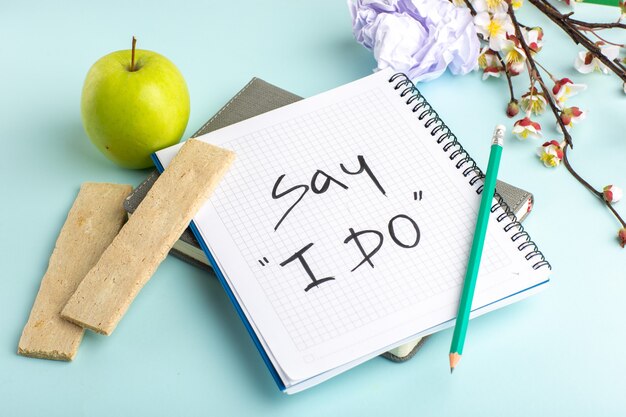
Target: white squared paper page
(294, 189)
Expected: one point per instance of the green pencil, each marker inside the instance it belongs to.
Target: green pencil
(465, 305)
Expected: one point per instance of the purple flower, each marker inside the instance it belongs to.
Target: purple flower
(420, 37)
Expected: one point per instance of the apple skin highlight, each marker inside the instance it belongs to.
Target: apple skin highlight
(127, 114)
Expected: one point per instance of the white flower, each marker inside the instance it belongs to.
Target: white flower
(513, 54)
(533, 38)
(517, 4)
(493, 6)
(612, 193)
(570, 116)
(492, 72)
(564, 89)
(526, 128)
(487, 58)
(493, 28)
(515, 68)
(571, 3)
(533, 101)
(586, 62)
(489, 63)
(550, 153)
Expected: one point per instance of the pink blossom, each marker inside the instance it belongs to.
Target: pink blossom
(515, 68)
(512, 49)
(491, 6)
(571, 3)
(570, 116)
(525, 128)
(533, 101)
(491, 72)
(612, 193)
(513, 55)
(621, 235)
(565, 88)
(493, 27)
(586, 62)
(534, 38)
(550, 153)
(512, 108)
(487, 58)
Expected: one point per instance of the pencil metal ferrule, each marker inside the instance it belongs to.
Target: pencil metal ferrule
(498, 136)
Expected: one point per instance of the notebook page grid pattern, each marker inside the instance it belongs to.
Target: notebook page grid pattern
(362, 125)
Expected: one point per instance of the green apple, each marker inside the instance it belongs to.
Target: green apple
(134, 102)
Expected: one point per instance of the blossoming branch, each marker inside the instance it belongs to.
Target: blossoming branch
(424, 37)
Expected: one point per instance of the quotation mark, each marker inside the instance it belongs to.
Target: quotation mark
(416, 195)
(264, 263)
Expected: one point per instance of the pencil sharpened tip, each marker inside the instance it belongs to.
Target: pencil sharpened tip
(454, 360)
(451, 370)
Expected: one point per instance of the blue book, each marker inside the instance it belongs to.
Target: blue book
(258, 97)
(343, 229)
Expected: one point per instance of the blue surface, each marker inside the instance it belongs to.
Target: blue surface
(182, 348)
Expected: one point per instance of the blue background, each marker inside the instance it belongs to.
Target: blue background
(181, 348)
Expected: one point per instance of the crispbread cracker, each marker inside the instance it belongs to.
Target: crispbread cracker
(127, 264)
(94, 220)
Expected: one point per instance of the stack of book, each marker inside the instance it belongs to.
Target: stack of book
(259, 97)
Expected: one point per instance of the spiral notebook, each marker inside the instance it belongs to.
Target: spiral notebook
(344, 227)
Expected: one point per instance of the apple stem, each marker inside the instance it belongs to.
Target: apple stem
(132, 56)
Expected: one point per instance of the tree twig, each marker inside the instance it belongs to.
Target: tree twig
(552, 77)
(568, 17)
(508, 76)
(470, 7)
(534, 74)
(568, 25)
(590, 187)
(593, 32)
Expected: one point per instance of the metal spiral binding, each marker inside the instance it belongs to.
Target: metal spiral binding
(425, 113)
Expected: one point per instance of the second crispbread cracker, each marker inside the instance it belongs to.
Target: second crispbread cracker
(127, 264)
(94, 220)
